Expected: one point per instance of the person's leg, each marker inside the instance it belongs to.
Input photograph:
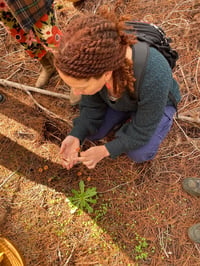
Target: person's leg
(27, 39)
(47, 31)
(38, 42)
(49, 35)
(148, 151)
(112, 118)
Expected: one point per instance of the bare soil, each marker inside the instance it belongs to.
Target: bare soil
(142, 214)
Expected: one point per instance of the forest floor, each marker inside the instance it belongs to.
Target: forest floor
(141, 214)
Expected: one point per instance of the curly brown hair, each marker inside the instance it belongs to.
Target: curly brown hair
(94, 44)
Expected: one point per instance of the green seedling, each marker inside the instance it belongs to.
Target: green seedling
(83, 198)
(140, 249)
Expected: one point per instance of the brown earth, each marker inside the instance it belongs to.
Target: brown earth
(142, 214)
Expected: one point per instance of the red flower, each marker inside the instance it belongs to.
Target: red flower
(3, 6)
(38, 24)
(18, 35)
(41, 54)
(56, 36)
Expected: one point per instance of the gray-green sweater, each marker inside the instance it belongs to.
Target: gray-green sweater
(153, 97)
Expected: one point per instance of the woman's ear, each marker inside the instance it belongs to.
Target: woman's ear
(108, 75)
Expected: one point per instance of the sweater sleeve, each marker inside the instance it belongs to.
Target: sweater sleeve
(153, 99)
(92, 112)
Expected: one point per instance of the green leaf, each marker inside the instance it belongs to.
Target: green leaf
(76, 193)
(88, 207)
(90, 192)
(91, 200)
(82, 186)
(83, 198)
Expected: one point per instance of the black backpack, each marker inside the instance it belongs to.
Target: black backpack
(150, 35)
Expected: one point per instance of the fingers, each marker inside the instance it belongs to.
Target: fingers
(69, 154)
(69, 162)
(63, 147)
(89, 162)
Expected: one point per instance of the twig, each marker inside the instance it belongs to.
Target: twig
(17, 70)
(186, 136)
(29, 88)
(197, 247)
(162, 244)
(67, 261)
(189, 119)
(187, 106)
(189, 139)
(120, 185)
(59, 253)
(196, 75)
(1, 185)
(47, 111)
(185, 81)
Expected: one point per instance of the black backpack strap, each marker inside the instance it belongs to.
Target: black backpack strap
(140, 56)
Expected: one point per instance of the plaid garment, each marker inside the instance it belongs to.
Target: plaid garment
(28, 12)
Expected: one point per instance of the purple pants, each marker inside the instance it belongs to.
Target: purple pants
(149, 150)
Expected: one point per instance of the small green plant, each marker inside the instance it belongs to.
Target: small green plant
(83, 198)
(140, 249)
(101, 211)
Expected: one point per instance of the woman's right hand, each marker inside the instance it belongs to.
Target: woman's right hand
(69, 151)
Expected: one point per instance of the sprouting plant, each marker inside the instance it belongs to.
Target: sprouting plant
(83, 198)
(140, 249)
(101, 211)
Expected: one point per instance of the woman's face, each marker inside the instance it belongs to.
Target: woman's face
(86, 86)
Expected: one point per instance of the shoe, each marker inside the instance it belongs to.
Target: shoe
(194, 233)
(48, 69)
(192, 186)
(74, 99)
(9, 255)
(2, 98)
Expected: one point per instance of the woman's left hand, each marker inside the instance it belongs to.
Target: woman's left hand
(93, 155)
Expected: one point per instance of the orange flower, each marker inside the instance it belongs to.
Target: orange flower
(89, 178)
(55, 36)
(79, 174)
(45, 167)
(40, 170)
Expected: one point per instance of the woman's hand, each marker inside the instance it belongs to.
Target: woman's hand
(93, 155)
(69, 151)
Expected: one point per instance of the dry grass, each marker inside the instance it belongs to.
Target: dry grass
(137, 203)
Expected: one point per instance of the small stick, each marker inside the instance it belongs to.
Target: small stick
(48, 111)
(196, 75)
(29, 88)
(189, 119)
(1, 185)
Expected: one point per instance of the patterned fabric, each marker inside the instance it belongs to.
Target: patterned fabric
(43, 36)
(28, 12)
